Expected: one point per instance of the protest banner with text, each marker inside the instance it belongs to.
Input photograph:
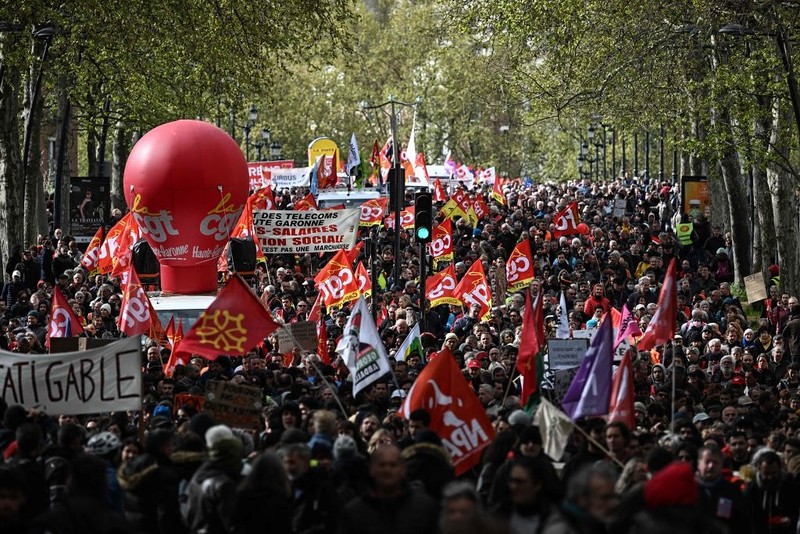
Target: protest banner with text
(297, 232)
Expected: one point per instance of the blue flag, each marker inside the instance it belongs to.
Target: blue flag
(590, 391)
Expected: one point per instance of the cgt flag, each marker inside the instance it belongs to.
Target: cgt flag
(364, 282)
(234, 323)
(439, 288)
(474, 289)
(519, 267)
(90, 259)
(589, 392)
(456, 414)
(63, 321)
(441, 246)
(336, 281)
(622, 393)
(361, 348)
(566, 221)
(439, 194)
(134, 315)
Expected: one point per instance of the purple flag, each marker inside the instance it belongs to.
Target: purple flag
(590, 390)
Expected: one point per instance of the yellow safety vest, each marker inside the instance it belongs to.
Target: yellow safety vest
(684, 232)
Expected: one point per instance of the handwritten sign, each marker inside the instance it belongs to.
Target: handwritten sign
(105, 379)
(302, 334)
(235, 405)
(754, 286)
(566, 353)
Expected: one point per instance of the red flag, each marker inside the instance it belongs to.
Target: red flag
(439, 287)
(315, 312)
(530, 358)
(497, 191)
(176, 357)
(439, 194)
(364, 282)
(372, 211)
(233, 324)
(353, 253)
(322, 342)
(263, 199)
(170, 330)
(108, 251)
(375, 157)
(519, 267)
(474, 289)
(480, 208)
(157, 330)
(622, 394)
(134, 315)
(326, 173)
(463, 200)
(456, 414)
(566, 221)
(336, 281)
(441, 246)
(306, 203)
(627, 326)
(422, 167)
(91, 257)
(662, 326)
(179, 332)
(406, 219)
(123, 256)
(63, 321)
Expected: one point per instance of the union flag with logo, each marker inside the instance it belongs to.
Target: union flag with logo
(336, 281)
(474, 289)
(497, 191)
(439, 288)
(109, 250)
(233, 324)
(63, 321)
(372, 211)
(406, 219)
(263, 199)
(364, 282)
(567, 220)
(519, 267)
(441, 246)
(480, 208)
(134, 315)
(463, 200)
(457, 415)
(91, 257)
(306, 203)
(439, 194)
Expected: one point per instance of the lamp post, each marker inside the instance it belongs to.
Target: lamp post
(661, 154)
(504, 129)
(636, 155)
(397, 174)
(624, 158)
(647, 154)
(252, 117)
(275, 150)
(613, 133)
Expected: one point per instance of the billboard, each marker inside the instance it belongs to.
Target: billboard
(696, 196)
(90, 206)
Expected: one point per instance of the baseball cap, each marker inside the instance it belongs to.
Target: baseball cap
(745, 400)
(738, 380)
(398, 394)
(702, 416)
(16, 273)
(474, 364)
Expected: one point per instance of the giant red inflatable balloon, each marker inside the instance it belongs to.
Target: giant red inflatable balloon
(186, 183)
(583, 229)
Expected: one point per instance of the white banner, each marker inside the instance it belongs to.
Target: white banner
(101, 380)
(288, 178)
(297, 232)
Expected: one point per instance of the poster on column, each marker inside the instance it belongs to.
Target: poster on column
(89, 206)
(300, 232)
(696, 196)
(107, 379)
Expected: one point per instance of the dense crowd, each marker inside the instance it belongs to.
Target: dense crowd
(725, 460)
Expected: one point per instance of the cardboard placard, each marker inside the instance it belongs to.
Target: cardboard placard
(235, 405)
(566, 353)
(302, 334)
(619, 207)
(754, 287)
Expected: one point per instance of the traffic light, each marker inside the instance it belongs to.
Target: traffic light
(397, 187)
(423, 216)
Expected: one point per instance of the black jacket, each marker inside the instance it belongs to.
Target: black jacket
(150, 501)
(211, 499)
(413, 512)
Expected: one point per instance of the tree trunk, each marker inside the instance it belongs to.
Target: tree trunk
(63, 144)
(765, 243)
(784, 200)
(119, 155)
(11, 197)
(32, 114)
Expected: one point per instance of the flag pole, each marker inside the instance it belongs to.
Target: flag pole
(672, 400)
(597, 444)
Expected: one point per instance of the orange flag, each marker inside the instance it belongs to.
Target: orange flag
(134, 316)
(474, 289)
(336, 281)
(233, 324)
(123, 256)
(519, 267)
(91, 257)
(63, 321)
(108, 250)
(497, 191)
(364, 282)
(620, 407)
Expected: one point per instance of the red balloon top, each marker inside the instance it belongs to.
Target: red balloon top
(186, 183)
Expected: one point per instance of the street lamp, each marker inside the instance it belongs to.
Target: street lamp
(275, 150)
(252, 117)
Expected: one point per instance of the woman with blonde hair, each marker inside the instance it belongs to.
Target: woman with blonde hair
(379, 438)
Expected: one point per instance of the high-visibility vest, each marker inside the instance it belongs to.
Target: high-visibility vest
(684, 233)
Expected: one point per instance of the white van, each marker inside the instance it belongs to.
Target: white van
(350, 199)
(185, 307)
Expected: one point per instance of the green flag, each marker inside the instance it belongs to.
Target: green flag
(412, 345)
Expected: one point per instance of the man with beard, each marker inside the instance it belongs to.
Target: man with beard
(773, 496)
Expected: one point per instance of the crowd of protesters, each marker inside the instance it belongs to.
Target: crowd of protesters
(725, 460)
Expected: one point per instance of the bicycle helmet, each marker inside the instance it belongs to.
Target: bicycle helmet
(103, 443)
